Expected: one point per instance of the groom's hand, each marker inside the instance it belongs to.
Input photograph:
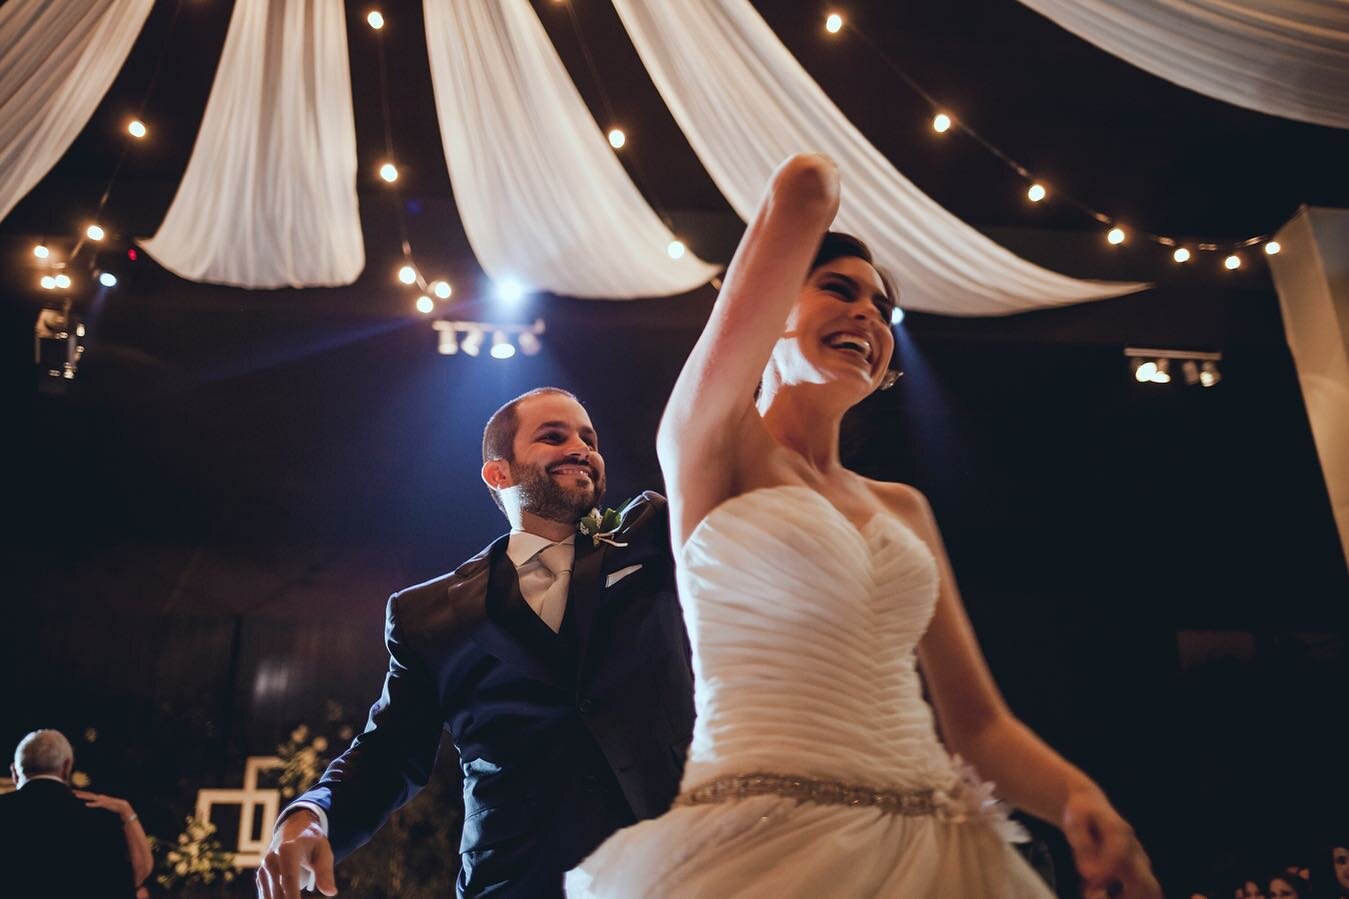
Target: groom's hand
(300, 857)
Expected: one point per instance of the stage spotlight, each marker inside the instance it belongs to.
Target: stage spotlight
(48, 282)
(471, 343)
(501, 347)
(1036, 193)
(389, 172)
(617, 138)
(941, 123)
(1232, 262)
(94, 232)
(509, 290)
(375, 19)
(41, 252)
(896, 315)
(1181, 255)
(442, 289)
(1116, 236)
(1209, 375)
(529, 343)
(63, 281)
(1272, 248)
(834, 23)
(136, 128)
(675, 249)
(425, 305)
(107, 279)
(407, 274)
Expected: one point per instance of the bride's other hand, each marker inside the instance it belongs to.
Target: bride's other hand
(1109, 857)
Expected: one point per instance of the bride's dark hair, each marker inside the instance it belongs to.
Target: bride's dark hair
(840, 244)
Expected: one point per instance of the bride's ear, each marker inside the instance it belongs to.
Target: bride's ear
(496, 473)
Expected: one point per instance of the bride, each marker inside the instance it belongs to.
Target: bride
(812, 595)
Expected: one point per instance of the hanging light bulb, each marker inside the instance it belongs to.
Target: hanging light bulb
(389, 172)
(1144, 371)
(48, 282)
(941, 123)
(1208, 375)
(1181, 255)
(63, 280)
(529, 343)
(1116, 236)
(407, 274)
(1163, 374)
(425, 305)
(93, 232)
(1272, 248)
(449, 343)
(1232, 262)
(501, 347)
(107, 279)
(675, 249)
(472, 342)
(375, 19)
(617, 138)
(41, 251)
(1036, 193)
(442, 289)
(136, 128)
(833, 23)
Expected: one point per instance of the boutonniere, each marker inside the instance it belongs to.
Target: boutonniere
(601, 528)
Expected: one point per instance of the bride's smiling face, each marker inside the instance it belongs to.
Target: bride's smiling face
(838, 332)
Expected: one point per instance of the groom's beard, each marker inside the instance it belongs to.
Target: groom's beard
(546, 497)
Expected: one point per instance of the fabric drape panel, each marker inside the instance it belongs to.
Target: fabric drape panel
(57, 60)
(541, 195)
(1286, 58)
(269, 196)
(745, 104)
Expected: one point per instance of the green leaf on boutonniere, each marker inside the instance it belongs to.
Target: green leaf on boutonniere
(601, 527)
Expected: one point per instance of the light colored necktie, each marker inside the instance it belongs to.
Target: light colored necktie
(556, 560)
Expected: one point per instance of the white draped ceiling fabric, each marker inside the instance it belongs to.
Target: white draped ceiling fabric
(541, 195)
(745, 104)
(269, 196)
(57, 60)
(1286, 58)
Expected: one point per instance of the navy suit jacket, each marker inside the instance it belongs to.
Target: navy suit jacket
(563, 738)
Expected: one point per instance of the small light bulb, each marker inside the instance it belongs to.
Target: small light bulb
(425, 305)
(375, 19)
(407, 274)
(501, 347)
(441, 289)
(834, 23)
(1145, 372)
(41, 252)
(617, 138)
(1036, 193)
(63, 281)
(48, 282)
(1181, 255)
(136, 128)
(941, 123)
(1116, 236)
(107, 279)
(389, 172)
(94, 232)
(896, 315)
(675, 249)
(1272, 248)
(1232, 262)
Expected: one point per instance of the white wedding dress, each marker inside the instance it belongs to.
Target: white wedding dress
(804, 629)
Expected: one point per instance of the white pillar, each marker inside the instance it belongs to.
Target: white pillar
(1311, 272)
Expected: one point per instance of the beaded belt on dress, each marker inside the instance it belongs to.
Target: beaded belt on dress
(806, 789)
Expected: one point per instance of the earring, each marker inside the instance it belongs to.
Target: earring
(890, 378)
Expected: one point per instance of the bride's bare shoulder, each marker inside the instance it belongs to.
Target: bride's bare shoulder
(904, 500)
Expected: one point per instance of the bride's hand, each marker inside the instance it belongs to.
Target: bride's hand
(1112, 863)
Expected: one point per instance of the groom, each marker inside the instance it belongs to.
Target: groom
(557, 661)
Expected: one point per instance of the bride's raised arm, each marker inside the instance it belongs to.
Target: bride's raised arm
(713, 399)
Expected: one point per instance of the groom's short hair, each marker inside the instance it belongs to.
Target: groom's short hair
(498, 438)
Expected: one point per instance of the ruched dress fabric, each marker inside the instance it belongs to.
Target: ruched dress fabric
(804, 629)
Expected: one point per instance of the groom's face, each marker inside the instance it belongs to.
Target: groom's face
(557, 465)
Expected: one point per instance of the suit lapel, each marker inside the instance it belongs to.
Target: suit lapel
(513, 632)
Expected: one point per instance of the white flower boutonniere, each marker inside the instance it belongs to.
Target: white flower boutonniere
(601, 528)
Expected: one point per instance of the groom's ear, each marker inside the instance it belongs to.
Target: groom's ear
(496, 473)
